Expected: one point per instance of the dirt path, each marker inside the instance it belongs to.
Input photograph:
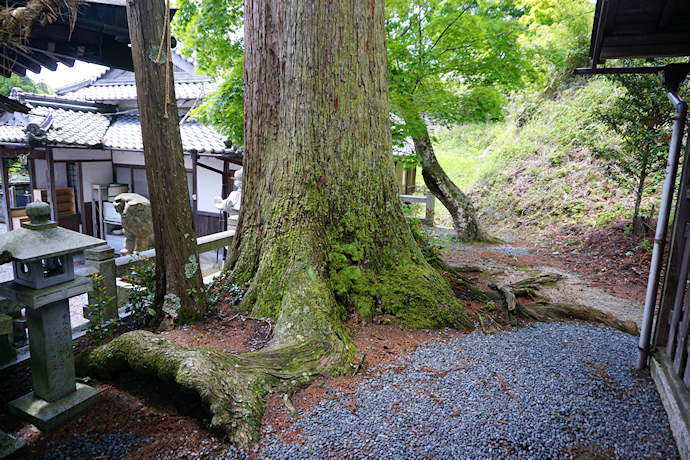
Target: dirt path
(508, 263)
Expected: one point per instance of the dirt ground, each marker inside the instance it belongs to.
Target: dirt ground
(596, 265)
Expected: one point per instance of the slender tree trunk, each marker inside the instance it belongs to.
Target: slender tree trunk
(458, 204)
(179, 284)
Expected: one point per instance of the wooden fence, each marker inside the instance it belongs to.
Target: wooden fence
(429, 200)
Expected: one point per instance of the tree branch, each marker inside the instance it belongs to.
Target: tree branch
(448, 27)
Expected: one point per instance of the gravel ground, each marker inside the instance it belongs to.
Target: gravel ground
(560, 390)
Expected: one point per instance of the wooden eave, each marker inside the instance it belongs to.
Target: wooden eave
(100, 36)
(640, 29)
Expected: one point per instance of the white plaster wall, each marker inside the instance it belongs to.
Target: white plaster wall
(128, 157)
(208, 186)
(209, 183)
(72, 154)
(95, 172)
(41, 168)
(60, 175)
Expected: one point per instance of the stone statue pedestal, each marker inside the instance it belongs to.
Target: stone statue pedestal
(57, 397)
(232, 221)
(48, 416)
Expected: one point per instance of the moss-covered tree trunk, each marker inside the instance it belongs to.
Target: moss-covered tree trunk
(458, 204)
(321, 223)
(321, 233)
(179, 285)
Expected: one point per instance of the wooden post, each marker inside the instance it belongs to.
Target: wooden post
(195, 192)
(50, 185)
(32, 176)
(430, 204)
(6, 191)
(177, 258)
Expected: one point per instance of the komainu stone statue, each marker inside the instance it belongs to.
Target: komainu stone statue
(231, 204)
(137, 222)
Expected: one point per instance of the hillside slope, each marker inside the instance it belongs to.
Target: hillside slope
(534, 171)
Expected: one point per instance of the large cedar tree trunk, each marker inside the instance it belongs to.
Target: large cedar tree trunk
(321, 223)
(178, 275)
(321, 234)
(458, 204)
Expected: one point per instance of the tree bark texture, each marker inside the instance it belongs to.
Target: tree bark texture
(230, 386)
(321, 223)
(458, 204)
(179, 282)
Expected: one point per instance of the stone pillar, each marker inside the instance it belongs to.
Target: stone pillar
(102, 258)
(50, 344)
(57, 396)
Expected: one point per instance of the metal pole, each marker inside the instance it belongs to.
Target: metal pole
(662, 224)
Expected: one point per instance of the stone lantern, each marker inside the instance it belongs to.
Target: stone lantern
(44, 280)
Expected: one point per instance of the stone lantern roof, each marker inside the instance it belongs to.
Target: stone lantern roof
(41, 238)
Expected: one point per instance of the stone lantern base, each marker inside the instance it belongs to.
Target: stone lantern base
(47, 416)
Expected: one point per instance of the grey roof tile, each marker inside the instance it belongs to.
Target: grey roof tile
(68, 127)
(71, 127)
(12, 134)
(118, 92)
(125, 134)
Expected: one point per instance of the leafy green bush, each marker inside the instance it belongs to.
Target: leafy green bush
(140, 302)
(99, 327)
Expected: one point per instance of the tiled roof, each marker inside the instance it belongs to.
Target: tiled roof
(72, 127)
(12, 134)
(118, 92)
(125, 134)
(68, 127)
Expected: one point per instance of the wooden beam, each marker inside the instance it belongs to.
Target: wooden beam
(39, 58)
(598, 32)
(79, 198)
(667, 14)
(642, 51)
(195, 191)
(32, 175)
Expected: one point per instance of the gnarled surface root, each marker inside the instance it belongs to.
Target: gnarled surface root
(557, 312)
(231, 387)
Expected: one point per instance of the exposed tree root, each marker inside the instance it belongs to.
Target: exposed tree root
(231, 386)
(557, 311)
